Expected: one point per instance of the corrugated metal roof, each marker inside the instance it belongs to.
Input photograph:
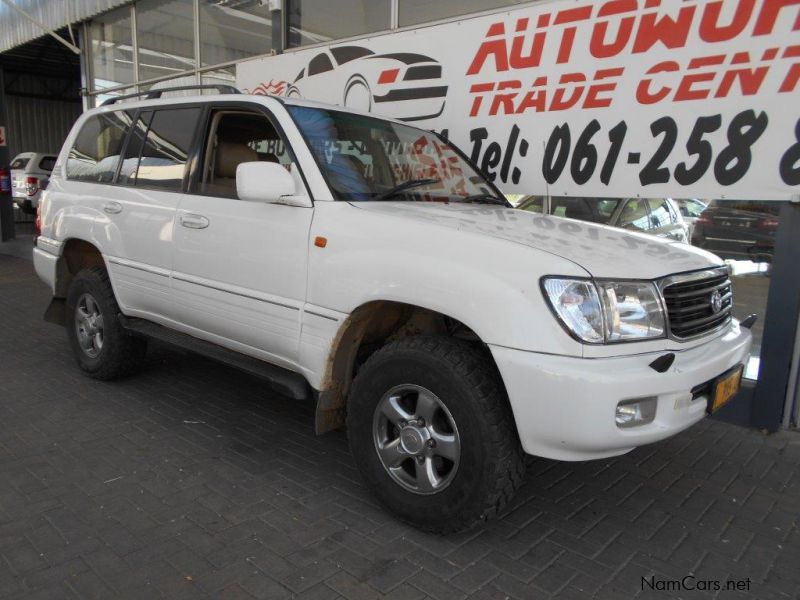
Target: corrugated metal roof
(16, 29)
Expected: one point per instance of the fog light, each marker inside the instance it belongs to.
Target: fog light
(639, 411)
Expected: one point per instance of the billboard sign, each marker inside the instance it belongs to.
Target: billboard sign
(697, 98)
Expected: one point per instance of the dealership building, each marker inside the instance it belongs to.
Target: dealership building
(565, 105)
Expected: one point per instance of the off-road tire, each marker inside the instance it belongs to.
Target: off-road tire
(121, 354)
(491, 464)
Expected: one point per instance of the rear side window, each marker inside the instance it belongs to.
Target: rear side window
(162, 160)
(47, 163)
(20, 163)
(95, 155)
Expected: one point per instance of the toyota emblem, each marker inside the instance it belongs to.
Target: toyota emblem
(716, 302)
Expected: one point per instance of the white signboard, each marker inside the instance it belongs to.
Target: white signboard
(697, 98)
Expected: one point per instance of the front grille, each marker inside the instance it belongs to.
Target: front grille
(689, 302)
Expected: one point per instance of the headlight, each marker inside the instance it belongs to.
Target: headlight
(606, 311)
(577, 304)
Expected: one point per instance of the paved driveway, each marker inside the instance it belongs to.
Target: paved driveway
(194, 480)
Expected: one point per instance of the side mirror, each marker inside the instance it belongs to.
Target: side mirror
(268, 182)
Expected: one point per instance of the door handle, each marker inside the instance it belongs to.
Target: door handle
(112, 208)
(193, 221)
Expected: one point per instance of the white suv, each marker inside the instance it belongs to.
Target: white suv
(368, 265)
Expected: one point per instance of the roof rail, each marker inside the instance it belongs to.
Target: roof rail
(152, 94)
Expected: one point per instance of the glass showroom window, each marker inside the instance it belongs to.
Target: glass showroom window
(165, 36)
(225, 76)
(112, 49)
(99, 98)
(412, 12)
(742, 232)
(315, 21)
(235, 30)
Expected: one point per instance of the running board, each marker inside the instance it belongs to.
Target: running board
(281, 380)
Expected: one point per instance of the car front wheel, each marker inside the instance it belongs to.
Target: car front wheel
(432, 433)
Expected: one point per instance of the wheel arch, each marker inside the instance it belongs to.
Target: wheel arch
(76, 254)
(368, 328)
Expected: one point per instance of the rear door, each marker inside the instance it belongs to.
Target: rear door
(239, 269)
(126, 169)
(148, 189)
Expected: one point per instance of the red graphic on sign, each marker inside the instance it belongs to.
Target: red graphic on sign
(616, 30)
(270, 88)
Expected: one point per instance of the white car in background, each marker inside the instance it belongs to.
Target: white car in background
(405, 85)
(30, 172)
(660, 217)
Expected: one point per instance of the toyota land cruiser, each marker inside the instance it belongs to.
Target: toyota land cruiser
(368, 265)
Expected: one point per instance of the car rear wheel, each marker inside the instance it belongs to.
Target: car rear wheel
(102, 347)
(432, 433)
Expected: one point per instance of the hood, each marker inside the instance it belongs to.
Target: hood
(601, 250)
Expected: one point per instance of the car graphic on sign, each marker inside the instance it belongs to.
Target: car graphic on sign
(402, 85)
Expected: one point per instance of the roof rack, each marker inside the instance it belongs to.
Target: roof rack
(156, 93)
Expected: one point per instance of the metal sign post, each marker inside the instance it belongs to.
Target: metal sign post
(6, 202)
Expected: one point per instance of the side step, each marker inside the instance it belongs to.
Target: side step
(281, 380)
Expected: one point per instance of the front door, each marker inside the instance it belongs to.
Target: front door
(239, 268)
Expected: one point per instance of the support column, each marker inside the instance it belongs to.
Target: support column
(780, 325)
(6, 202)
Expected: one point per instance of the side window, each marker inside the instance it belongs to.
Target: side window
(635, 215)
(692, 208)
(47, 163)
(319, 64)
(19, 163)
(237, 137)
(96, 152)
(166, 148)
(130, 162)
(661, 213)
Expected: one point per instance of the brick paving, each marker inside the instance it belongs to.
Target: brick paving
(193, 480)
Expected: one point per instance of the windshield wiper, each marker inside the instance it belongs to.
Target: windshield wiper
(406, 185)
(485, 199)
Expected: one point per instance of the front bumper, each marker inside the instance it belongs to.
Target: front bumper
(564, 407)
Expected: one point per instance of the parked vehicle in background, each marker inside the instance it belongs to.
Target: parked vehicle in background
(368, 265)
(690, 209)
(655, 216)
(738, 229)
(30, 172)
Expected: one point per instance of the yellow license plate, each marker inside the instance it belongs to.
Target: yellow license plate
(726, 389)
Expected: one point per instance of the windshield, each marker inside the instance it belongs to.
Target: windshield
(366, 158)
